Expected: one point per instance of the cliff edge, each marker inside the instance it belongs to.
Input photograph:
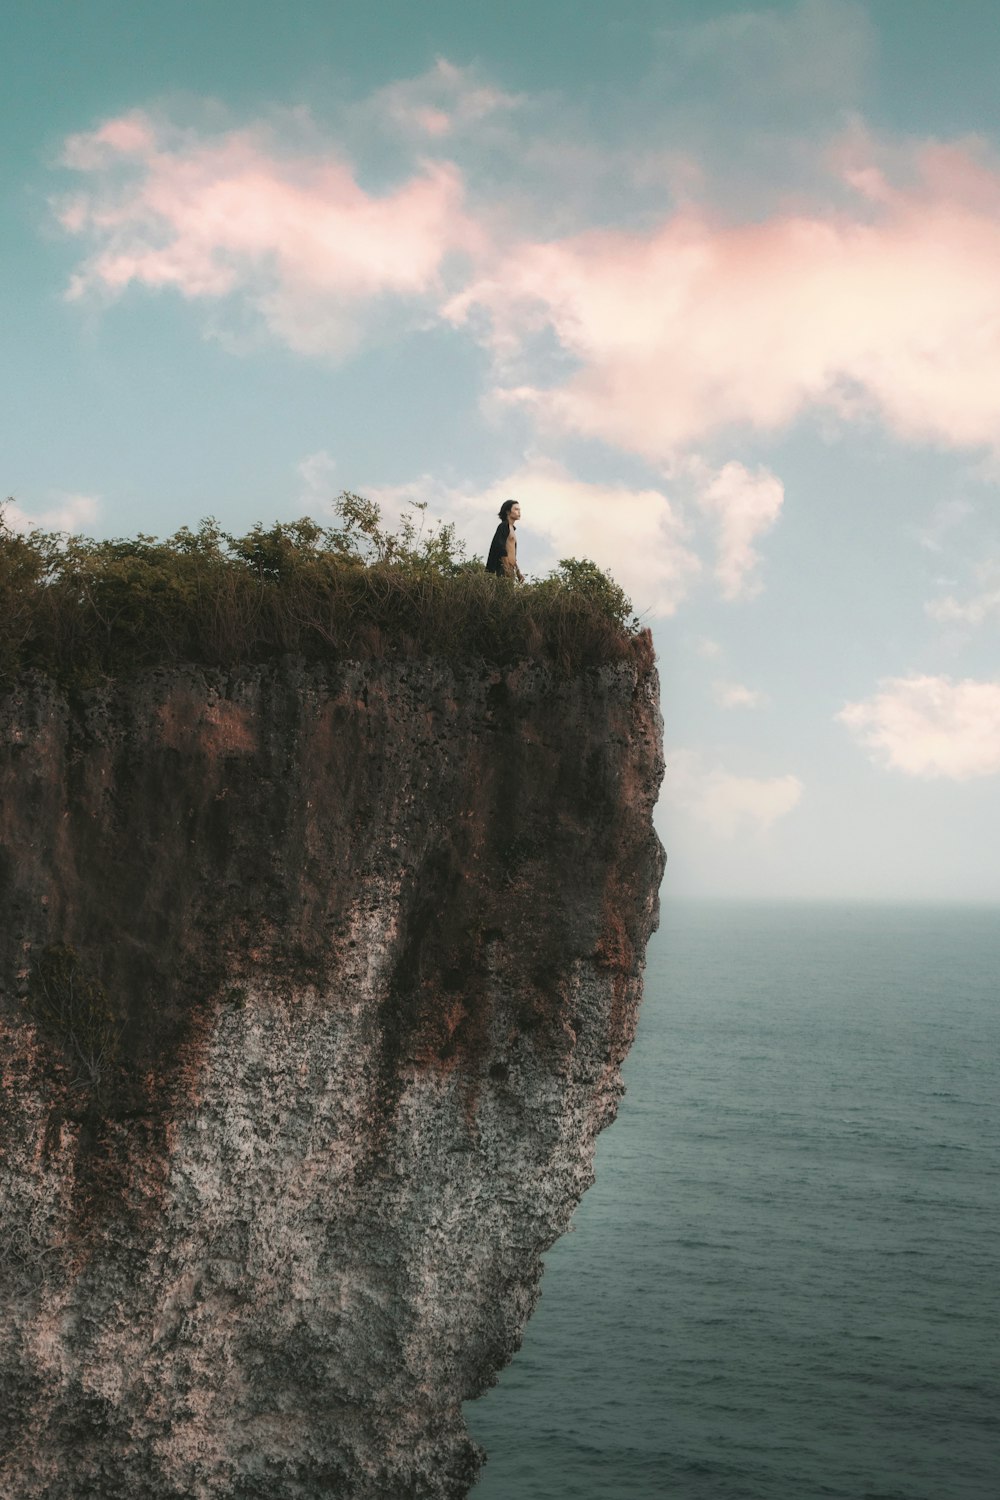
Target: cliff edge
(316, 982)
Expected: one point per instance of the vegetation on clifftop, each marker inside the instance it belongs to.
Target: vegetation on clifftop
(79, 609)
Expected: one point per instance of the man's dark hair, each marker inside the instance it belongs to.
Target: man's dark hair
(505, 509)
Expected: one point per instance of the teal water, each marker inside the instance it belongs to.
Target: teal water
(785, 1283)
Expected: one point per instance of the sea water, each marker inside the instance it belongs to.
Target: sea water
(786, 1280)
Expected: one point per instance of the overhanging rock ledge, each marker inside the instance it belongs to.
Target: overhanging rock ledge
(316, 984)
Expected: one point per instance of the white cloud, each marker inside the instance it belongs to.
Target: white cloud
(742, 506)
(945, 518)
(638, 535)
(930, 726)
(646, 539)
(316, 471)
(975, 610)
(736, 695)
(66, 512)
(428, 504)
(725, 803)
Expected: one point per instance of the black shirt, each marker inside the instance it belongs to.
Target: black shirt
(498, 549)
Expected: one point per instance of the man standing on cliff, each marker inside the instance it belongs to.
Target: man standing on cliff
(503, 549)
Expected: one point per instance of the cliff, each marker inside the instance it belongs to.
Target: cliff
(316, 983)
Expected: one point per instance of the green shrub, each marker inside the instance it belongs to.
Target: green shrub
(585, 581)
(79, 609)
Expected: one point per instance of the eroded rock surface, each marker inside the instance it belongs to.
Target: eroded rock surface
(316, 983)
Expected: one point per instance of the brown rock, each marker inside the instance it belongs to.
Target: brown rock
(316, 983)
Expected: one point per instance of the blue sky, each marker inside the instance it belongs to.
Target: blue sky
(712, 291)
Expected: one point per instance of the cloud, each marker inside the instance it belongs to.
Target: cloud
(930, 726)
(316, 471)
(736, 695)
(945, 518)
(638, 535)
(742, 507)
(67, 512)
(439, 504)
(727, 804)
(236, 214)
(874, 298)
(444, 101)
(814, 52)
(975, 610)
(650, 542)
(887, 308)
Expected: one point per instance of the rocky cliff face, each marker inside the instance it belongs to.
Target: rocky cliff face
(316, 985)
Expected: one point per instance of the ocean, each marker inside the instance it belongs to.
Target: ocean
(785, 1283)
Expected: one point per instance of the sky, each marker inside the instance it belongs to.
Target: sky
(713, 292)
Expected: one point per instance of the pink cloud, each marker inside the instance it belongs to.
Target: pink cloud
(432, 121)
(297, 235)
(126, 135)
(697, 325)
(888, 308)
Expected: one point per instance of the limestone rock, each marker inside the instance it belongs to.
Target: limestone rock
(316, 982)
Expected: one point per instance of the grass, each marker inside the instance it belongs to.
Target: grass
(80, 610)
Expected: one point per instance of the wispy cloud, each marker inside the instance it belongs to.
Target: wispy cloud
(445, 101)
(945, 519)
(725, 803)
(817, 52)
(977, 608)
(930, 726)
(316, 472)
(736, 695)
(742, 506)
(292, 233)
